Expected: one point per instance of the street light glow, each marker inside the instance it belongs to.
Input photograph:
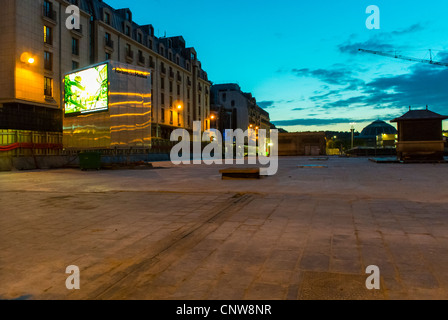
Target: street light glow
(31, 60)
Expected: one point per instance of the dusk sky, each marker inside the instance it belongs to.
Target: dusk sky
(300, 59)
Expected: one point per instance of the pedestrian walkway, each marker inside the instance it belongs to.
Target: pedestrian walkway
(183, 233)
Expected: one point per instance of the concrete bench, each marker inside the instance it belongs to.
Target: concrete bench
(240, 173)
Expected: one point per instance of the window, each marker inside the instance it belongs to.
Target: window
(141, 58)
(128, 31)
(171, 102)
(107, 17)
(75, 46)
(224, 97)
(199, 98)
(162, 99)
(178, 118)
(48, 87)
(108, 56)
(178, 89)
(171, 117)
(139, 37)
(48, 60)
(162, 83)
(128, 16)
(170, 55)
(162, 114)
(177, 60)
(150, 44)
(161, 51)
(129, 52)
(108, 39)
(171, 86)
(48, 9)
(75, 65)
(48, 35)
(232, 103)
(188, 94)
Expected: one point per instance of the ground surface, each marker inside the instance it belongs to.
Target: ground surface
(180, 232)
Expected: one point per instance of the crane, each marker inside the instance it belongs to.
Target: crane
(399, 56)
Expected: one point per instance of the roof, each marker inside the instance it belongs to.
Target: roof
(375, 128)
(419, 115)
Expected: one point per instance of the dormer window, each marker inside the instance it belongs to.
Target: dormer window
(128, 31)
(139, 37)
(107, 17)
(128, 16)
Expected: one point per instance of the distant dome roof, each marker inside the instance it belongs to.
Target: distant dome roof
(377, 127)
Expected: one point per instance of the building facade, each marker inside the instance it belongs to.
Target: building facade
(38, 49)
(231, 108)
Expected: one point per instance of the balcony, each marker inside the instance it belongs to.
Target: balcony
(129, 56)
(49, 15)
(109, 44)
(78, 31)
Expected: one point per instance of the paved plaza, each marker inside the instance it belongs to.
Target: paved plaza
(180, 232)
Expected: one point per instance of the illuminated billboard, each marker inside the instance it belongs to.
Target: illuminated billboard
(87, 90)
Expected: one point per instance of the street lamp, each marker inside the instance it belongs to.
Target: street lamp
(352, 129)
(27, 57)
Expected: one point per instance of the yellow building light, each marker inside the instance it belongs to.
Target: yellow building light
(27, 57)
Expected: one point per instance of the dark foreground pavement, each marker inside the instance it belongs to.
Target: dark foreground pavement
(183, 233)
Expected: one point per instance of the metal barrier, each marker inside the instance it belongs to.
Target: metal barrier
(30, 143)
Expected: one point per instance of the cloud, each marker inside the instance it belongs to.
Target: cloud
(334, 76)
(411, 29)
(297, 109)
(266, 104)
(386, 41)
(318, 121)
(424, 85)
(375, 42)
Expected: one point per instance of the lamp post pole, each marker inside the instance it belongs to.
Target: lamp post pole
(352, 131)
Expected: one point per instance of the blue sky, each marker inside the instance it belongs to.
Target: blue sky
(300, 59)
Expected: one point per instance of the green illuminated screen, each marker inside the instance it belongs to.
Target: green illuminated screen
(86, 90)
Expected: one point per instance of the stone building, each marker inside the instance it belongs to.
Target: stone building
(37, 49)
